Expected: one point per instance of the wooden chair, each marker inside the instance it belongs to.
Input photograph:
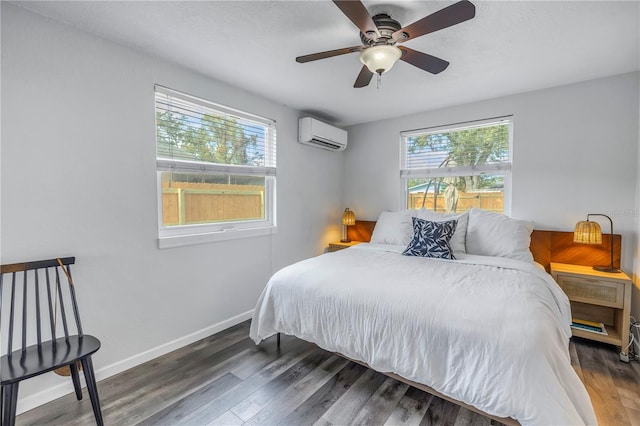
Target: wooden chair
(34, 309)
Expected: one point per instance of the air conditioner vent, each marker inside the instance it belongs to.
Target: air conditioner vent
(326, 144)
(321, 135)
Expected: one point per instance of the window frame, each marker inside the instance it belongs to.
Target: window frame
(188, 234)
(504, 168)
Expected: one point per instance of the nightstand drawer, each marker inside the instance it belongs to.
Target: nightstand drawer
(595, 291)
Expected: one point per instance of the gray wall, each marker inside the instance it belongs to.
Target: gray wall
(78, 178)
(575, 151)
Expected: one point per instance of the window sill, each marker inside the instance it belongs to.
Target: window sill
(213, 237)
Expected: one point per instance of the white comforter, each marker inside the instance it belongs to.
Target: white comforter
(491, 332)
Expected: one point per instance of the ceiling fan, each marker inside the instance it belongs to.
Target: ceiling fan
(380, 33)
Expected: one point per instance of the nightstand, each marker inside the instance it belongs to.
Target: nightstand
(339, 245)
(599, 297)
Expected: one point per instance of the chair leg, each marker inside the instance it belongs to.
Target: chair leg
(87, 366)
(9, 403)
(73, 368)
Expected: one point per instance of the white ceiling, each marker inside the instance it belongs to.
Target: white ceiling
(509, 47)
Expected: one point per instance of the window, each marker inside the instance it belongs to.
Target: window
(216, 171)
(457, 167)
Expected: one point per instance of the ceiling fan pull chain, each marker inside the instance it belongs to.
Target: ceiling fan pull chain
(379, 80)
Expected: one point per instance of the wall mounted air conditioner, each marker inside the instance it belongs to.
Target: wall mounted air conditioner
(321, 135)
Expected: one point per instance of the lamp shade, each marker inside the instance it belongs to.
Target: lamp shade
(348, 218)
(587, 232)
(379, 59)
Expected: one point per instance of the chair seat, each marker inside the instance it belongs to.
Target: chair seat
(48, 356)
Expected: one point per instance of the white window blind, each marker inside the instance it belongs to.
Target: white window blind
(194, 134)
(457, 150)
(459, 166)
(216, 170)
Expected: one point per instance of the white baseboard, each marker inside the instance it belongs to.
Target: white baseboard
(57, 391)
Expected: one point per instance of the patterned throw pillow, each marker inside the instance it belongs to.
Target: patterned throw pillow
(431, 239)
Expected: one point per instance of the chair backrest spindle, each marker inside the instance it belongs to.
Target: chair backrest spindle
(72, 292)
(24, 310)
(50, 302)
(63, 314)
(37, 296)
(1, 291)
(11, 313)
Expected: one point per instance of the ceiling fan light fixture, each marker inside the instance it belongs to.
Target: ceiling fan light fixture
(379, 59)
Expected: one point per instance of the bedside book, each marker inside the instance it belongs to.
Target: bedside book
(593, 327)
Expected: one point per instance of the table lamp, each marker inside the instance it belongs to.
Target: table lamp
(348, 219)
(587, 232)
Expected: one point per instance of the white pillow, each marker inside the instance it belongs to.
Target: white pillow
(457, 241)
(494, 234)
(393, 228)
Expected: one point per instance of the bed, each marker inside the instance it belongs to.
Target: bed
(484, 330)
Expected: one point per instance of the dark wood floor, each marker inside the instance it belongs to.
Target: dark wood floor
(227, 380)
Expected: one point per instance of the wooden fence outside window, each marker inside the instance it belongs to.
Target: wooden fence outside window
(189, 203)
(492, 201)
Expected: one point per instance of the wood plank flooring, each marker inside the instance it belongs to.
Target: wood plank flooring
(226, 379)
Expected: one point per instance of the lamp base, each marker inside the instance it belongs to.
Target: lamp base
(345, 235)
(609, 269)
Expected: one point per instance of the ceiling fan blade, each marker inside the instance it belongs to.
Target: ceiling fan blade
(423, 61)
(364, 78)
(328, 54)
(450, 15)
(358, 14)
